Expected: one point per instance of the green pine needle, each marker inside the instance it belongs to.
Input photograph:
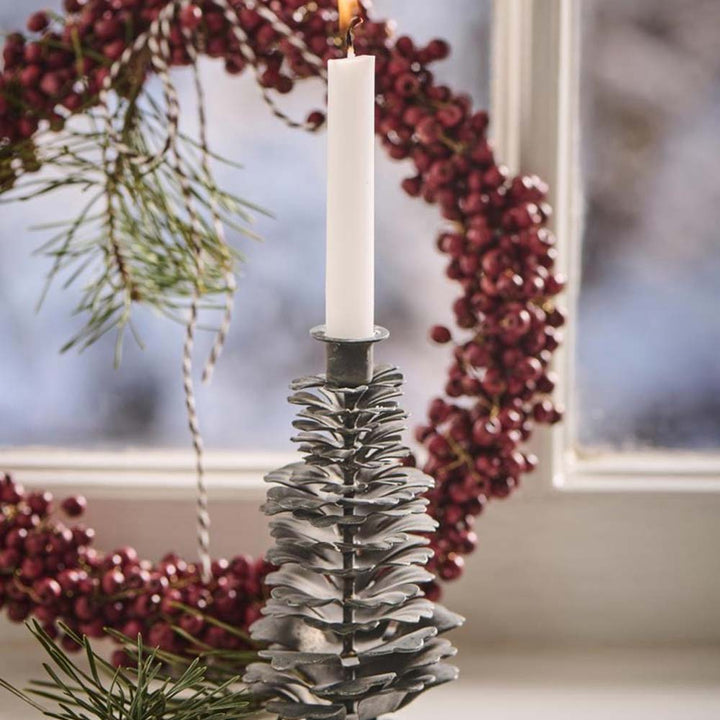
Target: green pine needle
(142, 692)
(134, 241)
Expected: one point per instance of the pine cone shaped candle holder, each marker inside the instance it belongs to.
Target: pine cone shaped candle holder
(350, 635)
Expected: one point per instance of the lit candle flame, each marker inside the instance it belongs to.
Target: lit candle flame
(348, 10)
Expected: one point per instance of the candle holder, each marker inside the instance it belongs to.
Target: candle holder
(350, 635)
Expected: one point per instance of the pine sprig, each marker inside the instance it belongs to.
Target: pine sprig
(221, 664)
(144, 691)
(132, 242)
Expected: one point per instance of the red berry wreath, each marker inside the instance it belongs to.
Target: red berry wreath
(499, 252)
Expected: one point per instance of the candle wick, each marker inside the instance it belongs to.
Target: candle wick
(350, 36)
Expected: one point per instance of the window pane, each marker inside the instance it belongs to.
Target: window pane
(46, 398)
(649, 328)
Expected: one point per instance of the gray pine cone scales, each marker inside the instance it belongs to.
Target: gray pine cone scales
(350, 635)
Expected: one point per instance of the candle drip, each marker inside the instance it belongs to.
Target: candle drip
(350, 36)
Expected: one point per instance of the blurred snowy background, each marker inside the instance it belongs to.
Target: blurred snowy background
(648, 353)
(648, 326)
(80, 401)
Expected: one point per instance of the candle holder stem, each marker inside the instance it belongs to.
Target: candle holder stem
(349, 363)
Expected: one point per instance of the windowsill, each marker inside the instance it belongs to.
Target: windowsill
(564, 684)
(142, 473)
(663, 683)
(639, 472)
(239, 475)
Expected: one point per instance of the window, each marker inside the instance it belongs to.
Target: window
(82, 403)
(617, 102)
(639, 372)
(648, 327)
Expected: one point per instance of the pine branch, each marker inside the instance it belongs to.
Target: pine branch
(133, 242)
(221, 664)
(142, 692)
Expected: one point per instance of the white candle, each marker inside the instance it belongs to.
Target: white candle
(350, 270)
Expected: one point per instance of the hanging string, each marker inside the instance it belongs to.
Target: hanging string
(202, 513)
(156, 41)
(232, 16)
(224, 329)
(146, 162)
(283, 29)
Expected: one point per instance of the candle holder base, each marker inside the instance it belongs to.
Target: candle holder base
(350, 635)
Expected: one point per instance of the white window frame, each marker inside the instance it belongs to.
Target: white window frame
(536, 98)
(534, 107)
(144, 474)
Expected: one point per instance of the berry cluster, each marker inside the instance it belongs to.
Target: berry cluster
(500, 251)
(59, 67)
(502, 255)
(49, 569)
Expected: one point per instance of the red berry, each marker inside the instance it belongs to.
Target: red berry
(18, 610)
(83, 536)
(30, 76)
(252, 613)
(120, 659)
(73, 102)
(249, 19)
(440, 334)
(432, 592)
(48, 625)
(15, 539)
(407, 85)
(47, 590)
(439, 447)
(74, 506)
(438, 49)
(215, 23)
(316, 119)
(451, 568)
(108, 28)
(486, 432)
(132, 629)
(192, 624)
(27, 127)
(234, 65)
(450, 116)
(161, 635)
(114, 50)
(36, 544)
(405, 46)
(190, 17)
(412, 186)
(83, 608)
(428, 130)
(70, 645)
(69, 579)
(38, 21)
(439, 411)
(40, 502)
(51, 84)
(32, 568)
(9, 559)
(112, 581)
